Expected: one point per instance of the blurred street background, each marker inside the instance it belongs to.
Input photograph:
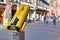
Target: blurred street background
(35, 29)
(38, 9)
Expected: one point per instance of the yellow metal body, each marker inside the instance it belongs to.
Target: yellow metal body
(23, 27)
(22, 18)
(23, 15)
(16, 14)
(19, 19)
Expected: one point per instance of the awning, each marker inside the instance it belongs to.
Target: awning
(42, 10)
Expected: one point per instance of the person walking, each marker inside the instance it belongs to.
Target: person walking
(47, 19)
(54, 19)
(44, 19)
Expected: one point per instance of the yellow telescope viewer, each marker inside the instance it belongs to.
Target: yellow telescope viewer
(19, 21)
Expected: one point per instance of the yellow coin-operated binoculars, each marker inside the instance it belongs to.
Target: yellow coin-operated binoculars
(18, 22)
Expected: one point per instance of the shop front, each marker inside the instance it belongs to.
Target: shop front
(41, 13)
(36, 15)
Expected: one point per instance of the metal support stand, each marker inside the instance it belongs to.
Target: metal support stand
(21, 36)
(18, 36)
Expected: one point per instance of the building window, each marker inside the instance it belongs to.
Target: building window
(11, 0)
(39, 3)
(28, 0)
(24, 0)
(14, 1)
(1, 0)
(31, 1)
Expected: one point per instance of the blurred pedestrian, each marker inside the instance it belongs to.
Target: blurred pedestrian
(47, 19)
(54, 19)
(44, 19)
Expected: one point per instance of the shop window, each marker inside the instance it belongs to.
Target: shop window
(1, 0)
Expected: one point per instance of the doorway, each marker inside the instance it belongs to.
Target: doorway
(13, 10)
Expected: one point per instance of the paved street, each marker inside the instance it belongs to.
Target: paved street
(41, 25)
(40, 31)
(2, 26)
